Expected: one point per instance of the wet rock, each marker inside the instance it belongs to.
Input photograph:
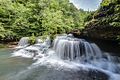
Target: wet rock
(75, 32)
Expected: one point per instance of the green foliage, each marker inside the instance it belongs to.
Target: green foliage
(2, 31)
(89, 17)
(106, 2)
(39, 17)
(32, 39)
(115, 24)
(118, 37)
(106, 20)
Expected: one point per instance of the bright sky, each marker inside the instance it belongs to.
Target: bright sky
(90, 5)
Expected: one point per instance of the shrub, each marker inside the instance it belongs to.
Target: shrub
(32, 39)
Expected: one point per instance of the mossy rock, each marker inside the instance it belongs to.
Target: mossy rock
(105, 23)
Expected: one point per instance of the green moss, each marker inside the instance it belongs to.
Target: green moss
(107, 19)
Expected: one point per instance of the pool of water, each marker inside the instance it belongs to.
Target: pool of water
(11, 65)
(17, 68)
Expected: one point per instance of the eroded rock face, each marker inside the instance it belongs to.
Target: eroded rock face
(105, 22)
(76, 32)
(106, 33)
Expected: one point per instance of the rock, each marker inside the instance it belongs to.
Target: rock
(105, 22)
(75, 32)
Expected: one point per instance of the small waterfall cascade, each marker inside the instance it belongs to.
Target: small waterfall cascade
(33, 51)
(71, 52)
(23, 43)
(74, 49)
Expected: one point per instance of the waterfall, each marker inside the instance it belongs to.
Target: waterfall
(73, 48)
(33, 51)
(22, 43)
(73, 53)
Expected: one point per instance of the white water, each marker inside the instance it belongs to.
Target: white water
(23, 43)
(72, 53)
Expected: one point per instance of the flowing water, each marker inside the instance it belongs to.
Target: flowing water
(69, 59)
(23, 43)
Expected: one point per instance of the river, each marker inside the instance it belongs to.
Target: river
(69, 59)
(11, 65)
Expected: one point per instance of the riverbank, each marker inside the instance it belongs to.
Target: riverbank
(11, 45)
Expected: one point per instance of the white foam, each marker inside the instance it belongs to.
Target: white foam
(52, 58)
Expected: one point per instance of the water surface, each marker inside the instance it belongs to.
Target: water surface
(11, 65)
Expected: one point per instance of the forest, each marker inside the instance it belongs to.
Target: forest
(19, 18)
